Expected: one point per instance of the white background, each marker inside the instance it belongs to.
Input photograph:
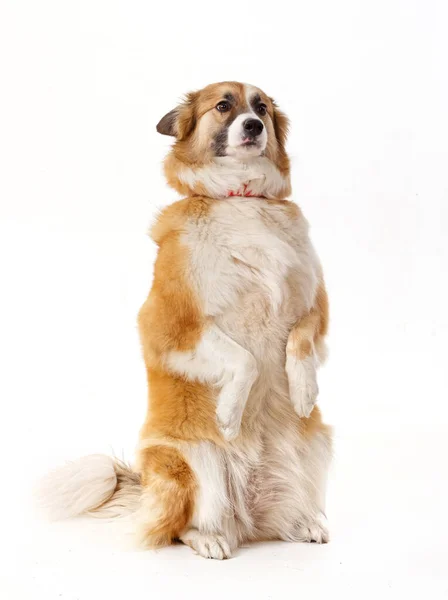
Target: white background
(82, 86)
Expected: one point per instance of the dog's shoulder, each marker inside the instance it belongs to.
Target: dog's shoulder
(174, 217)
(287, 213)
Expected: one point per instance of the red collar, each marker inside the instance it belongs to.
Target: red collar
(243, 193)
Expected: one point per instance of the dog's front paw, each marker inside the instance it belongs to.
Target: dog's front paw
(303, 388)
(233, 397)
(304, 400)
(229, 420)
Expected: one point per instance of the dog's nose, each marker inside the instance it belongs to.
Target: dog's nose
(253, 127)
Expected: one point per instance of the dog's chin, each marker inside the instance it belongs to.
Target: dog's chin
(243, 151)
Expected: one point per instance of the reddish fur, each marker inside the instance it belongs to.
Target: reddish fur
(168, 478)
(309, 331)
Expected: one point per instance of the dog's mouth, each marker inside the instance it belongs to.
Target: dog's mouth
(248, 146)
(248, 142)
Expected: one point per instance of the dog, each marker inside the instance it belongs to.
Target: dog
(233, 448)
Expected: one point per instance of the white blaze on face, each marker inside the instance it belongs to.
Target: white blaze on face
(236, 133)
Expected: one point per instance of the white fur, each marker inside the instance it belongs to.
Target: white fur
(222, 480)
(249, 246)
(250, 93)
(77, 487)
(219, 360)
(227, 174)
(236, 135)
(302, 379)
(212, 501)
(236, 132)
(207, 545)
(313, 531)
(210, 532)
(256, 273)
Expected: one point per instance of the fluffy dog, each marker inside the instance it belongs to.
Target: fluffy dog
(233, 448)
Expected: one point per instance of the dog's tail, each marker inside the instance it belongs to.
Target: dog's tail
(97, 485)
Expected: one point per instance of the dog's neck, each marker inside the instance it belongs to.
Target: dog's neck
(224, 177)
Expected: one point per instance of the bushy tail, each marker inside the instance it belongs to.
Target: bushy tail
(97, 485)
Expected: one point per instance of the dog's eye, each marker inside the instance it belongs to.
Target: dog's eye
(262, 109)
(223, 106)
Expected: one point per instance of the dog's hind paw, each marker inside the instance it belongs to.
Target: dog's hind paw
(207, 545)
(312, 531)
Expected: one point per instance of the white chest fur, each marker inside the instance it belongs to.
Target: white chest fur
(253, 265)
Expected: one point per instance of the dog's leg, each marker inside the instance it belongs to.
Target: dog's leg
(167, 496)
(178, 338)
(311, 524)
(211, 532)
(219, 361)
(304, 351)
(296, 466)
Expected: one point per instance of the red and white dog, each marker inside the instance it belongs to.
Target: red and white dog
(233, 448)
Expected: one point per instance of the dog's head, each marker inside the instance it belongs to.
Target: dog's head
(230, 137)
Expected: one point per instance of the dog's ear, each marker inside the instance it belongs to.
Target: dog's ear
(281, 125)
(180, 121)
(166, 125)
